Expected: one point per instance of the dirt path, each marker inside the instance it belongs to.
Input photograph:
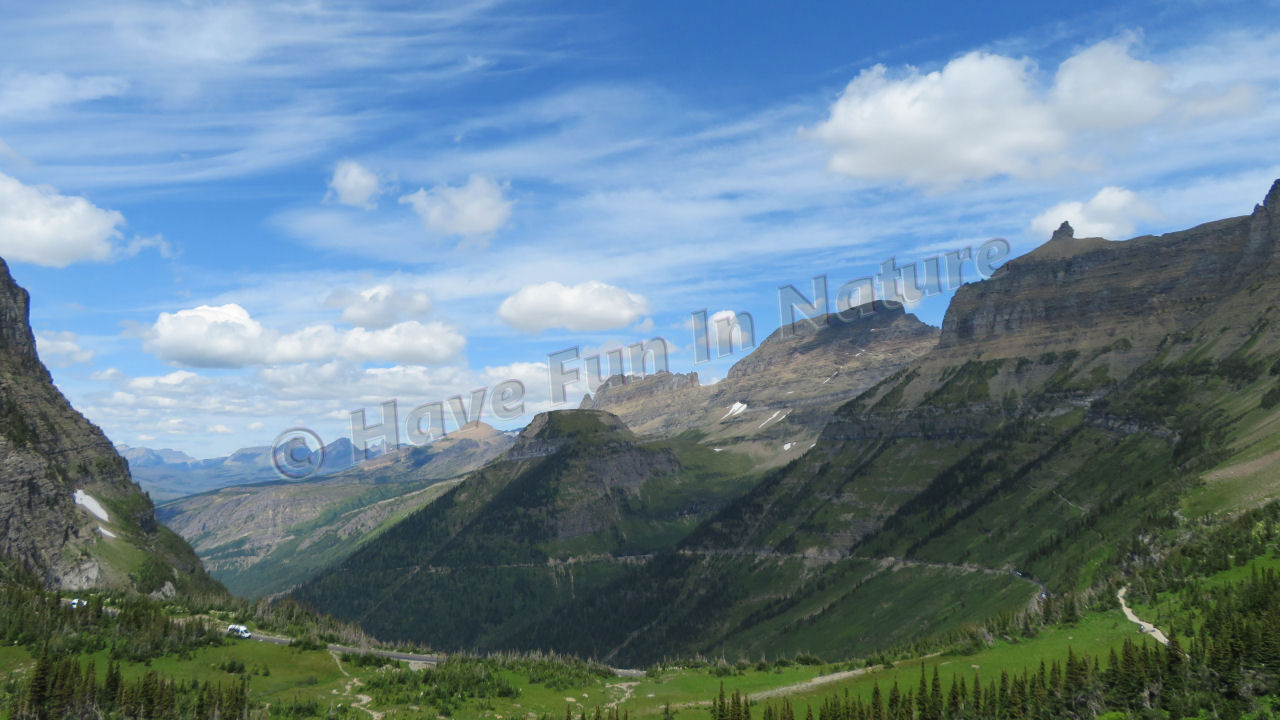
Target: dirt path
(1147, 627)
(628, 688)
(354, 682)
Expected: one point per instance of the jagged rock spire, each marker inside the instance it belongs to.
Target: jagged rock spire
(1064, 232)
(1272, 201)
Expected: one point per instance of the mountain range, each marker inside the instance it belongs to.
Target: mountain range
(1088, 393)
(845, 490)
(267, 536)
(171, 474)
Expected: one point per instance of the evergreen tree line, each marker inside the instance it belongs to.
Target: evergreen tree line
(61, 689)
(136, 630)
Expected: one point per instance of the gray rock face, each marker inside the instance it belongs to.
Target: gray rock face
(50, 455)
(1082, 292)
(774, 401)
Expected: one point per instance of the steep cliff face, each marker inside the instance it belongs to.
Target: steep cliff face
(68, 509)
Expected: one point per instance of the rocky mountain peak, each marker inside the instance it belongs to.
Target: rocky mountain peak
(16, 339)
(1272, 201)
(1064, 232)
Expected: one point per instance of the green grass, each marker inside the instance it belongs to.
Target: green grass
(13, 658)
(688, 689)
(1094, 635)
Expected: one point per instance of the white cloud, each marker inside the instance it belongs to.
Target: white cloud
(407, 342)
(200, 35)
(24, 92)
(984, 115)
(355, 185)
(587, 306)
(475, 209)
(179, 381)
(227, 336)
(255, 425)
(1103, 88)
(1207, 102)
(218, 429)
(209, 336)
(109, 375)
(138, 244)
(380, 306)
(41, 226)
(61, 349)
(1111, 213)
(977, 117)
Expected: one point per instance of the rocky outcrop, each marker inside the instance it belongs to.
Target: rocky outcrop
(1085, 292)
(65, 493)
(773, 402)
(657, 404)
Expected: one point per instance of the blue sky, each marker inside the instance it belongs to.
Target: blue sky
(238, 218)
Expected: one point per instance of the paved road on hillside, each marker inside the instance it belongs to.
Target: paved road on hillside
(392, 654)
(432, 659)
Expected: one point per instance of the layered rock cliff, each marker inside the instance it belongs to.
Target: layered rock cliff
(69, 511)
(773, 402)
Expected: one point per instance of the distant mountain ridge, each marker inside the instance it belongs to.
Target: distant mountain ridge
(171, 474)
(265, 537)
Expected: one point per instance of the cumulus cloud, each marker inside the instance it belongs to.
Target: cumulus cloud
(984, 115)
(227, 336)
(61, 349)
(1111, 213)
(472, 210)
(380, 306)
(39, 225)
(355, 185)
(1104, 88)
(25, 92)
(587, 306)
